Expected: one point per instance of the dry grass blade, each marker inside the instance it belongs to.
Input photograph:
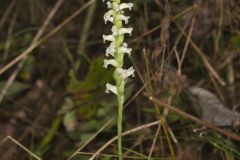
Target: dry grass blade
(21, 146)
(186, 45)
(91, 138)
(45, 38)
(164, 36)
(154, 141)
(204, 58)
(193, 118)
(124, 134)
(36, 38)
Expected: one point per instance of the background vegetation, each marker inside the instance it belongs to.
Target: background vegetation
(53, 103)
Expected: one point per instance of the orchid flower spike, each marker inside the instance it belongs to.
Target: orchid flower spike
(117, 49)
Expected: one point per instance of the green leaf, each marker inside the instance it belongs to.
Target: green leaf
(15, 87)
(235, 40)
(96, 78)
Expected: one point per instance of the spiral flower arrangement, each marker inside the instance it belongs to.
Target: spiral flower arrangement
(115, 54)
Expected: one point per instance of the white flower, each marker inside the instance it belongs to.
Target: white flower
(116, 15)
(109, 5)
(126, 5)
(121, 31)
(111, 88)
(108, 16)
(108, 38)
(114, 30)
(109, 62)
(124, 49)
(126, 72)
(124, 18)
(110, 50)
(126, 31)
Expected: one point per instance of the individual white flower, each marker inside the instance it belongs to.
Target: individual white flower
(107, 62)
(121, 31)
(125, 5)
(108, 16)
(111, 88)
(108, 38)
(114, 30)
(124, 18)
(126, 31)
(126, 72)
(110, 50)
(124, 49)
(109, 5)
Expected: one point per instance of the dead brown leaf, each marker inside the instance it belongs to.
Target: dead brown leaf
(214, 111)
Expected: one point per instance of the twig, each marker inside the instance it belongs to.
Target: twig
(187, 44)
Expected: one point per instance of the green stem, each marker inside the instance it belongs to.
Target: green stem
(120, 95)
(118, 78)
(119, 123)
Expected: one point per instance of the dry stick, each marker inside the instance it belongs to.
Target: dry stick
(193, 118)
(154, 141)
(146, 33)
(205, 60)
(38, 35)
(20, 145)
(42, 40)
(182, 13)
(107, 123)
(124, 134)
(187, 44)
